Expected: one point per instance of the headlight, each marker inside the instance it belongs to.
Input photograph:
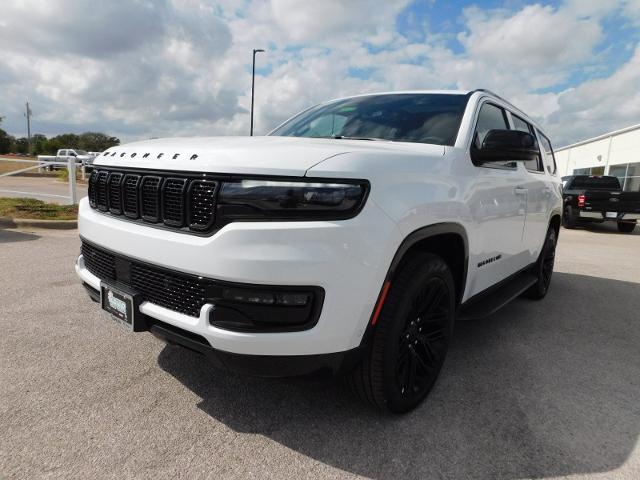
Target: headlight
(259, 199)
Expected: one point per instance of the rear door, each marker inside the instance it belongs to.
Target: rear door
(538, 196)
(498, 208)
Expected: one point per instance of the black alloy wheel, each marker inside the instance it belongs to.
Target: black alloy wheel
(411, 337)
(543, 268)
(423, 342)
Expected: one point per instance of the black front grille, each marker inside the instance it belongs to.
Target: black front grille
(183, 202)
(179, 292)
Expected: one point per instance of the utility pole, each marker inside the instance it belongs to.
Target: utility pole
(28, 115)
(253, 84)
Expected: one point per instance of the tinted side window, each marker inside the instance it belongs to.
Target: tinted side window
(534, 165)
(491, 117)
(547, 152)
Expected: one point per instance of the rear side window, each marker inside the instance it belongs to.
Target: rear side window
(547, 153)
(595, 183)
(534, 165)
(491, 117)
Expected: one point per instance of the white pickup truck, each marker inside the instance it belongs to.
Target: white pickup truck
(63, 155)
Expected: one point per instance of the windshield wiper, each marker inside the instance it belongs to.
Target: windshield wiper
(372, 139)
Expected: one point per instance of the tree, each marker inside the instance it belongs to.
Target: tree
(6, 140)
(39, 144)
(97, 142)
(21, 145)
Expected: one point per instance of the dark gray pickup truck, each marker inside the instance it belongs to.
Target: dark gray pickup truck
(589, 198)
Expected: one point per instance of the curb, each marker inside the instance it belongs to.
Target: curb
(8, 222)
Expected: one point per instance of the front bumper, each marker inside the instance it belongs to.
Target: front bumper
(347, 259)
(257, 365)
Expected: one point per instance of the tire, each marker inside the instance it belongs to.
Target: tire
(569, 220)
(411, 337)
(543, 268)
(626, 227)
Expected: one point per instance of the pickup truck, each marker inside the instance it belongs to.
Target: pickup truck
(63, 155)
(348, 240)
(590, 198)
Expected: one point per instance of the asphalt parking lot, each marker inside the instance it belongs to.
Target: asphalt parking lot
(34, 187)
(540, 390)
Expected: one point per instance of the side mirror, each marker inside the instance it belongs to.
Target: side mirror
(507, 145)
(73, 154)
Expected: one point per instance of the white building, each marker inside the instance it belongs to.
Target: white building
(616, 153)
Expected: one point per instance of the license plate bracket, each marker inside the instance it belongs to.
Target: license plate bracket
(122, 306)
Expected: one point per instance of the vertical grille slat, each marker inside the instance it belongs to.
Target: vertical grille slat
(91, 193)
(150, 198)
(202, 204)
(185, 202)
(173, 201)
(101, 191)
(130, 204)
(115, 193)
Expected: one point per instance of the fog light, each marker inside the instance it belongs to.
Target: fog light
(247, 296)
(266, 298)
(297, 299)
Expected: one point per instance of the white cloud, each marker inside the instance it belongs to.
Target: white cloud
(329, 21)
(182, 67)
(534, 37)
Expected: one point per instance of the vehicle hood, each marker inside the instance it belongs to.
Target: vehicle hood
(287, 156)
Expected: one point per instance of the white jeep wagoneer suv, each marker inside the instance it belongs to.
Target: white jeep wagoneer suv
(347, 240)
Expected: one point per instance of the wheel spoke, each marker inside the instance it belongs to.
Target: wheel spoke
(411, 378)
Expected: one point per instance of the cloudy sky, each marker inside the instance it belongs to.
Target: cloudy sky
(151, 68)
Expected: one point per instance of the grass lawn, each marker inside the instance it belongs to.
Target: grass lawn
(36, 209)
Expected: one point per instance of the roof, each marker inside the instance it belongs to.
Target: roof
(600, 137)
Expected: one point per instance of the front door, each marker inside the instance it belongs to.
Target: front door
(498, 206)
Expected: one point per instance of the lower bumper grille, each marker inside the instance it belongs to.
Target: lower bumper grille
(179, 292)
(238, 307)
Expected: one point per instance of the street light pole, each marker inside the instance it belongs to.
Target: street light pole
(28, 115)
(253, 84)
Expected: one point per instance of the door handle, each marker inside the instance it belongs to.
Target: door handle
(520, 191)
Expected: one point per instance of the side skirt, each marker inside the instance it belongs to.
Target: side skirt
(491, 300)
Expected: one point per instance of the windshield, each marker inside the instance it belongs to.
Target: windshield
(421, 118)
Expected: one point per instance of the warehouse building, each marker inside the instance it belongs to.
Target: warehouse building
(616, 153)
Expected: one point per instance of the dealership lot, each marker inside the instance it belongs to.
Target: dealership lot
(539, 390)
(34, 187)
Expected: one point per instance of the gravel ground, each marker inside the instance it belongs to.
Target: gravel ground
(544, 389)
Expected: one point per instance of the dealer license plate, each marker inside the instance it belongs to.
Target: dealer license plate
(119, 305)
(612, 214)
